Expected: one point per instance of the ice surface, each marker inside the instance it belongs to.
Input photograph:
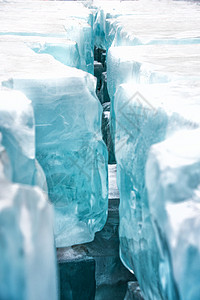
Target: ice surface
(62, 49)
(28, 261)
(69, 143)
(113, 16)
(61, 20)
(17, 127)
(145, 115)
(151, 64)
(172, 178)
(174, 28)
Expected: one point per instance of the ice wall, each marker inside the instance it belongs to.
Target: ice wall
(69, 143)
(145, 115)
(172, 177)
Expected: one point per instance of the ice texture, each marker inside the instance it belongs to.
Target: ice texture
(151, 64)
(69, 143)
(142, 29)
(61, 20)
(145, 115)
(62, 49)
(17, 127)
(136, 22)
(28, 260)
(172, 179)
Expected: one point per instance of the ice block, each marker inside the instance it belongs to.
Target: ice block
(145, 115)
(28, 260)
(172, 179)
(69, 143)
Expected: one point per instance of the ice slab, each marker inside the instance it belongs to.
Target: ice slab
(145, 115)
(70, 21)
(172, 178)
(108, 12)
(62, 49)
(151, 64)
(17, 126)
(69, 142)
(27, 243)
(174, 28)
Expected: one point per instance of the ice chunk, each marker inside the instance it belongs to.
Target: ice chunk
(173, 180)
(145, 115)
(28, 260)
(17, 126)
(69, 143)
(28, 264)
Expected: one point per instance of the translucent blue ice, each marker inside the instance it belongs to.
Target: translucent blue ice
(69, 143)
(173, 180)
(146, 115)
(17, 126)
(28, 259)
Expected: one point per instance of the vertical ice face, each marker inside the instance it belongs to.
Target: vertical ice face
(81, 32)
(17, 127)
(69, 143)
(144, 116)
(28, 260)
(173, 180)
(5, 165)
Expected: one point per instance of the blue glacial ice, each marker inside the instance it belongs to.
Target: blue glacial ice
(145, 115)
(17, 127)
(27, 267)
(69, 143)
(172, 179)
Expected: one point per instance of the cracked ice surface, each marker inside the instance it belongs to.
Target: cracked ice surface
(145, 115)
(173, 181)
(61, 20)
(133, 22)
(69, 143)
(27, 268)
